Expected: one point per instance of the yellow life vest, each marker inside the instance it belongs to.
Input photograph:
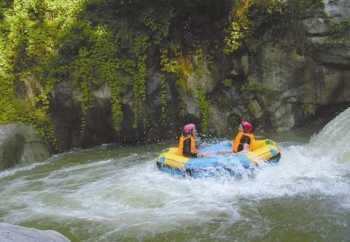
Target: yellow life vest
(240, 140)
(182, 142)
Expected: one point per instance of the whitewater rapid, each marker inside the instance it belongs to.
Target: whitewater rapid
(129, 196)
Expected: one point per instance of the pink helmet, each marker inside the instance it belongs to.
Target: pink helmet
(188, 128)
(247, 127)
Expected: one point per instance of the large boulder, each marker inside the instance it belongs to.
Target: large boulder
(277, 85)
(291, 87)
(14, 233)
(338, 10)
(328, 34)
(20, 144)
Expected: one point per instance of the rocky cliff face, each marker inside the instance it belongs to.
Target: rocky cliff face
(277, 83)
(137, 71)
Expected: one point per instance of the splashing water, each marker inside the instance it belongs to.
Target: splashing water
(122, 196)
(334, 138)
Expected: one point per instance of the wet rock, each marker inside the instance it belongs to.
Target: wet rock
(316, 26)
(245, 64)
(75, 129)
(99, 126)
(191, 105)
(296, 76)
(278, 85)
(20, 144)
(328, 86)
(278, 67)
(333, 54)
(337, 9)
(201, 76)
(104, 92)
(153, 84)
(66, 116)
(255, 109)
(14, 233)
(218, 121)
(283, 118)
(329, 34)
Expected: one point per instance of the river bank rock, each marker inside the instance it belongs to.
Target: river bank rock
(20, 144)
(14, 233)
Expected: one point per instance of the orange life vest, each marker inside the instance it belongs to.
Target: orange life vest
(241, 139)
(187, 146)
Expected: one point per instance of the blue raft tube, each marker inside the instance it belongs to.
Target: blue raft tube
(218, 160)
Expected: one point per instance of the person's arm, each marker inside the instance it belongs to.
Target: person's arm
(245, 147)
(180, 146)
(194, 151)
(245, 142)
(236, 141)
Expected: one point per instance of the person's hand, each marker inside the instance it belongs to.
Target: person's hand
(245, 148)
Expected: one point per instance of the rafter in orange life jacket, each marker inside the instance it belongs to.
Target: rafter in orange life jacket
(241, 139)
(187, 146)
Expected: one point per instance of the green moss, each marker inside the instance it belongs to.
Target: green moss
(164, 94)
(251, 20)
(185, 68)
(158, 25)
(168, 60)
(174, 62)
(239, 27)
(253, 86)
(309, 109)
(140, 47)
(339, 34)
(89, 44)
(204, 110)
(228, 82)
(191, 70)
(29, 39)
(116, 86)
(50, 41)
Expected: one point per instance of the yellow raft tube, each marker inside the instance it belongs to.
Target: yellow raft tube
(218, 159)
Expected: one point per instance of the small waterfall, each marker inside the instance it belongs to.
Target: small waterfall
(334, 139)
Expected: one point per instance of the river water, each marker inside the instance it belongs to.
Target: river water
(117, 194)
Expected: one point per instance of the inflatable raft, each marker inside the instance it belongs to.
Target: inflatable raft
(218, 160)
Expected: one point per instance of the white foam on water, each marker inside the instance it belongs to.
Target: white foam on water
(13, 171)
(333, 140)
(131, 195)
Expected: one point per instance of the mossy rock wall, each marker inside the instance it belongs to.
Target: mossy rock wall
(85, 73)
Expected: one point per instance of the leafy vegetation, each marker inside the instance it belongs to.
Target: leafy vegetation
(251, 20)
(204, 110)
(29, 39)
(46, 42)
(113, 44)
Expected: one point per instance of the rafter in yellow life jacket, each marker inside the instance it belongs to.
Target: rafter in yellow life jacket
(241, 139)
(187, 146)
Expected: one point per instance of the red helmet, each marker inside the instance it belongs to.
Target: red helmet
(247, 127)
(189, 128)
